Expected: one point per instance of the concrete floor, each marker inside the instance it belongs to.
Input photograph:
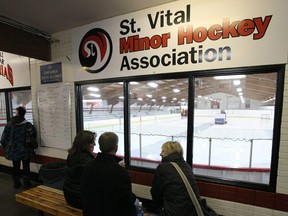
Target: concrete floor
(8, 205)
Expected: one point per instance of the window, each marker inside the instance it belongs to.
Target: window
(3, 115)
(226, 120)
(13, 99)
(233, 140)
(22, 98)
(157, 114)
(103, 110)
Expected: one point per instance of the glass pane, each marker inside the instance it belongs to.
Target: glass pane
(155, 117)
(22, 98)
(3, 117)
(103, 111)
(233, 126)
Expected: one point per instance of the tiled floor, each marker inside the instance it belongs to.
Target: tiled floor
(8, 205)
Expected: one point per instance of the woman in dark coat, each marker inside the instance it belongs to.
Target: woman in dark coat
(80, 153)
(168, 191)
(13, 140)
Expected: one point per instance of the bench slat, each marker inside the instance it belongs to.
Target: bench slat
(47, 199)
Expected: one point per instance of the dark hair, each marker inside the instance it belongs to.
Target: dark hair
(108, 142)
(82, 141)
(21, 111)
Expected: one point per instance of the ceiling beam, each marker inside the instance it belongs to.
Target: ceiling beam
(16, 41)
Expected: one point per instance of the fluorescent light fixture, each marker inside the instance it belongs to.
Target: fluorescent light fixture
(92, 101)
(121, 97)
(153, 100)
(149, 95)
(163, 97)
(152, 84)
(240, 93)
(134, 83)
(93, 89)
(176, 90)
(140, 99)
(236, 82)
(230, 77)
(239, 89)
(95, 95)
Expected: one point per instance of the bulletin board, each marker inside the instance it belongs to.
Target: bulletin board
(54, 104)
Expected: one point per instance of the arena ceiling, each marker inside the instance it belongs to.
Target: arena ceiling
(258, 87)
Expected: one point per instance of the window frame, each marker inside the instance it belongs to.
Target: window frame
(191, 76)
(8, 100)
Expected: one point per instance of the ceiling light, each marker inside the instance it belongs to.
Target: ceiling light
(236, 82)
(149, 95)
(93, 89)
(230, 77)
(95, 95)
(163, 97)
(176, 90)
(134, 83)
(239, 89)
(152, 84)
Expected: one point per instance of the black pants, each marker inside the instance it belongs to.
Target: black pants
(16, 169)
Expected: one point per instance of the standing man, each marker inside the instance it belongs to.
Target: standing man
(16, 149)
(106, 185)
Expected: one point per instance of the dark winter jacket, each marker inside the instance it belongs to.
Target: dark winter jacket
(106, 188)
(71, 188)
(168, 190)
(13, 139)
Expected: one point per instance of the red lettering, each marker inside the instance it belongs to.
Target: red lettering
(215, 32)
(229, 29)
(185, 35)
(261, 26)
(246, 27)
(200, 34)
(10, 75)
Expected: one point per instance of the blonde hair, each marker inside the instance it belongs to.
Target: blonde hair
(172, 147)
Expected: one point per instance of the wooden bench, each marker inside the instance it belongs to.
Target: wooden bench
(47, 199)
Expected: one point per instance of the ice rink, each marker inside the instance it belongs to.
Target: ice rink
(243, 142)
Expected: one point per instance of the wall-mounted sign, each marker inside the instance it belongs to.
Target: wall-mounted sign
(182, 36)
(51, 73)
(14, 71)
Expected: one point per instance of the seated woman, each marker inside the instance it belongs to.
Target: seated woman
(168, 190)
(80, 153)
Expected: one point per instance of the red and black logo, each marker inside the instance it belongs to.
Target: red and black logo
(95, 50)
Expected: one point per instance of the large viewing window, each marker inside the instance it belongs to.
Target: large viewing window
(226, 121)
(233, 126)
(156, 117)
(103, 110)
(13, 99)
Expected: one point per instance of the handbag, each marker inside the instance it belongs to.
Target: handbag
(201, 206)
(31, 140)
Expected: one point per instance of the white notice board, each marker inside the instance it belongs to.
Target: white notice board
(54, 106)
